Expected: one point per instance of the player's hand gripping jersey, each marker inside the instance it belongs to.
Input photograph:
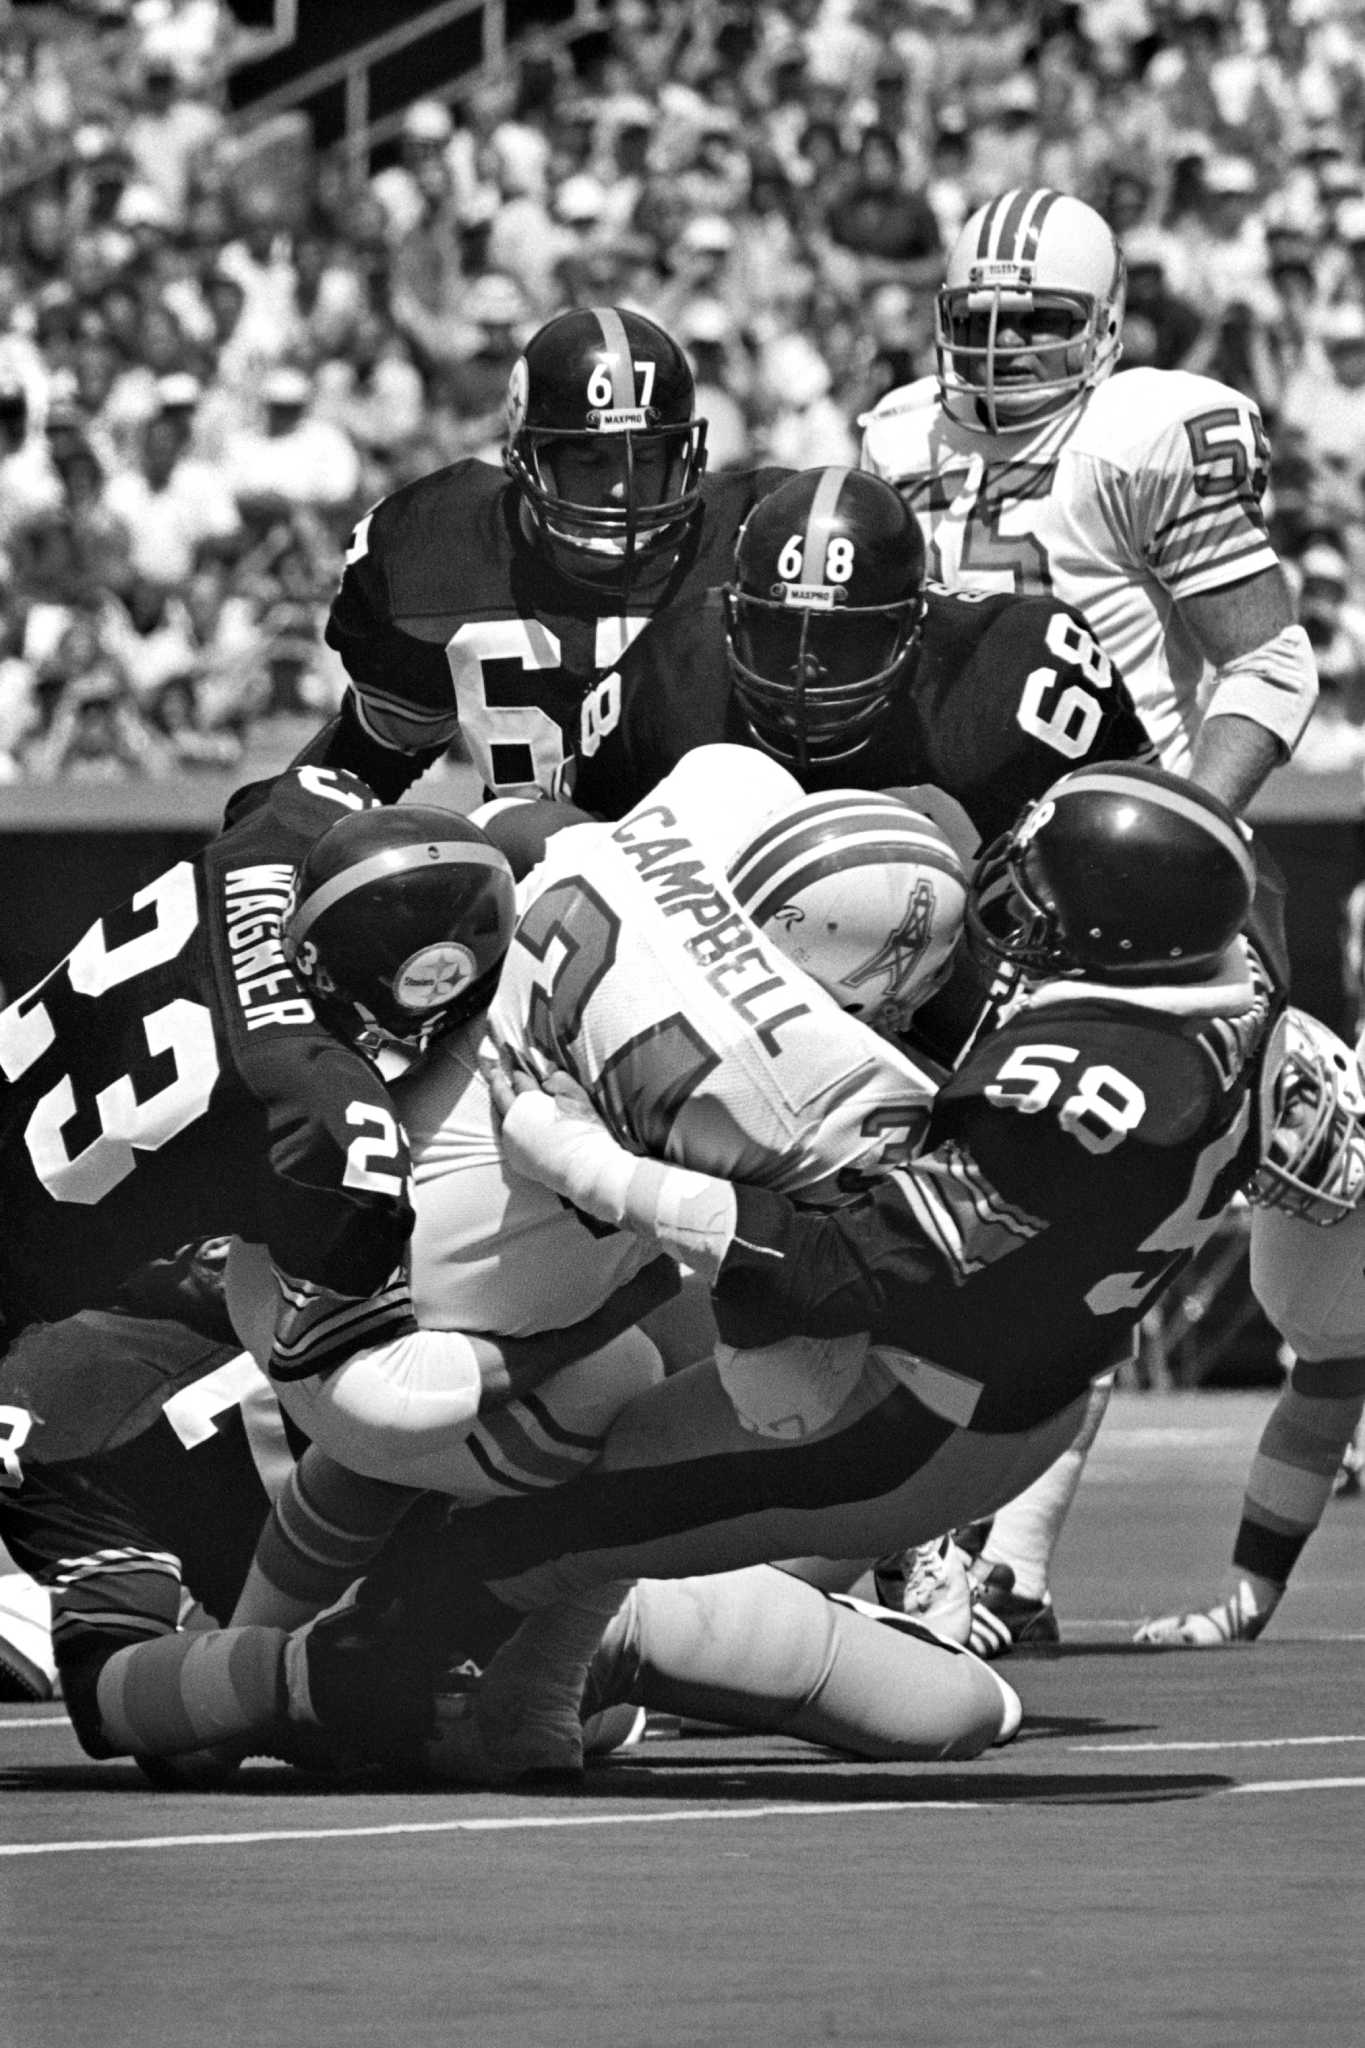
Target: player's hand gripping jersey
(1003, 695)
(1145, 493)
(448, 620)
(634, 970)
(169, 1080)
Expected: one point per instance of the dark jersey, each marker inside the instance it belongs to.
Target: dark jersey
(448, 620)
(1004, 695)
(1080, 1155)
(136, 1457)
(169, 1080)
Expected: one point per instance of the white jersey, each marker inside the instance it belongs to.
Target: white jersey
(492, 1252)
(1310, 1281)
(1145, 494)
(634, 970)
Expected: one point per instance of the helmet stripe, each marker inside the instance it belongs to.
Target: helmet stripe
(430, 853)
(1012, 224)
(848, 806)
(792, 851)
(1039, 206)
(820, 518)
(1088, 780)
(768, 891)
(985, 239)
(620, 368)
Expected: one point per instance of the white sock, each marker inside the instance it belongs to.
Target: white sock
(1026, 1531)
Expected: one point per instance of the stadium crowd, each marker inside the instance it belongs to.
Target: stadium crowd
(214, 357)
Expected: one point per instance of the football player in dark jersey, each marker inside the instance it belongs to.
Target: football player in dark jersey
(1085, 1147)
(203, 1061)
(825, 648)
(496, 603)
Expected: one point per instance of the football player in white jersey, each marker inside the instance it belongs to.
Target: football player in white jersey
(1308, 1273)
(693, 1026)
(1137, 499)
(640, 953)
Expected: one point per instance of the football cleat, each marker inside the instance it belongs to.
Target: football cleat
(1234, 1620)
(1003, 1620)
(930, 1583)
(27, 1670)
(537, 1742)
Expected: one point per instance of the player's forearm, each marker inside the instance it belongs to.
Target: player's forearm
(1260, 701)
(1233, 755)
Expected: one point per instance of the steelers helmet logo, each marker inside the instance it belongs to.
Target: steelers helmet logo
(434, 976)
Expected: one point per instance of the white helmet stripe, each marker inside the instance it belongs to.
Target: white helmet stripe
(432, 853)
(823, 507)
(620, 368)
(1086, 780)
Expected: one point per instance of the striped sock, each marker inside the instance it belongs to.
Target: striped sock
(1291, 1479)
(326, 1526)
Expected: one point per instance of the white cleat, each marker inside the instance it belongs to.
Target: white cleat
(1234, 1620)
(27, 1668)
(928, 1582)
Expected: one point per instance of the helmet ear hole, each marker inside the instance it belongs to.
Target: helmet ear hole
(398, 922)
(864, 894)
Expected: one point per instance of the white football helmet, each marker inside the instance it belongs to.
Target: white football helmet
(863, 893)
(1045, 272)
(1312, 1122)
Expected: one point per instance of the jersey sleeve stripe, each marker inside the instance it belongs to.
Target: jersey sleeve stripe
(322, 1330)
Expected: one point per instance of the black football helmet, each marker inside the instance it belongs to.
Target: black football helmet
(398, 923)
(606, 386)
(1119, 872)
(823, 613)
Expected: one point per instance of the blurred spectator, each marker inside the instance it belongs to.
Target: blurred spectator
(1225, 237)
(171, 130)
(882, 222)
(1324, 405)
(724, 379)
(29, 483)
(374, 392)
(475, 389)
(801, 423)
(1335, 623)
(897, 343)
(296, 462)
(93, 730)
(1162, 330)
(424, 174)
(170, 501)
